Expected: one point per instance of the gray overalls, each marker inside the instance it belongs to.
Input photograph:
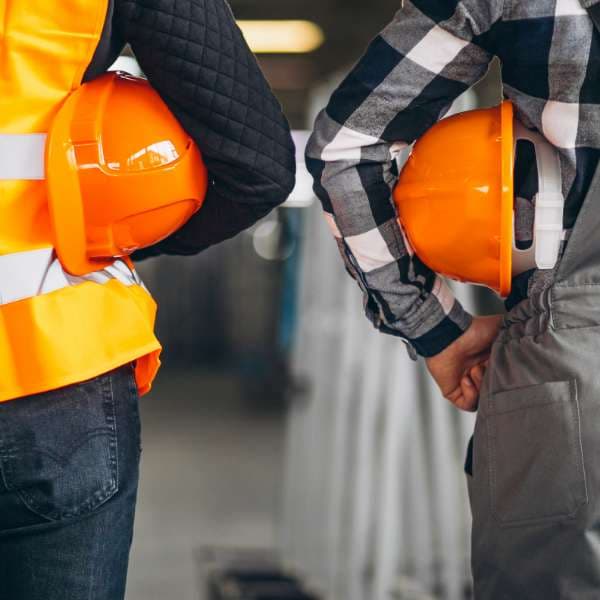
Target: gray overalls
(535, 488)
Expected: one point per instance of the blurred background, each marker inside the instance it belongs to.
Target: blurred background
(279, 461)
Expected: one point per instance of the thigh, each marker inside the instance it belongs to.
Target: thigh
(69, 464)
(534, 487)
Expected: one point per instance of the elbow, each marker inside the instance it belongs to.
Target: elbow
(315, 155)
(315, 144)
(288, 181)
(318, 159)
(274, 193)
(283, 189)
(262, 184)
(279, 179)
(267, 192)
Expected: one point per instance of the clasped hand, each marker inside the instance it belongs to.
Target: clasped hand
(459, 369)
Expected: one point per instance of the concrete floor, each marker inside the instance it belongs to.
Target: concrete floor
(211, 475)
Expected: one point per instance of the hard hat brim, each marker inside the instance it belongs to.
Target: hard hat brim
(64, 195)
(507, 197)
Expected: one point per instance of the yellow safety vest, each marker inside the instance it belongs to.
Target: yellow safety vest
(55, 329)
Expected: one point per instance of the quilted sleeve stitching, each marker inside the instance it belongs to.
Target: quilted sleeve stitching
(202, 67)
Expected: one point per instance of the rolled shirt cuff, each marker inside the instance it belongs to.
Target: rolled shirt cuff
(447, 328)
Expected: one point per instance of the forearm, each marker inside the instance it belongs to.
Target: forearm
(402, 296)
(219, 219)
(404, 83)
(196, 58)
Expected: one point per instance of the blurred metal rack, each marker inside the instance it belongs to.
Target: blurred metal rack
(375, 503)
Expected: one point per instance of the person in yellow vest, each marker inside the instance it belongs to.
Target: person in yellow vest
(77, 346)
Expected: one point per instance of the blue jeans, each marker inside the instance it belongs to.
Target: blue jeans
(69, 462)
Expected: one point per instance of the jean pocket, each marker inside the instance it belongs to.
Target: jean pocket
(535, 454)
(59, 449)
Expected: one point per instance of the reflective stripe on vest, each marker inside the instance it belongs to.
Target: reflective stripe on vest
(28, 274)
(22, 156)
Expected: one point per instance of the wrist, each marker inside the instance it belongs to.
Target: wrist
(446, 335)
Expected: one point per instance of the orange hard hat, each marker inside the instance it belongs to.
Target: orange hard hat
(121, 172)
(455, 199)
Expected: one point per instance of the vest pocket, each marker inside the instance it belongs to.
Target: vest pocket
(535, 453)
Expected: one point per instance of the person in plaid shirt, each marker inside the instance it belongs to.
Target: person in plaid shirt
(431, 52)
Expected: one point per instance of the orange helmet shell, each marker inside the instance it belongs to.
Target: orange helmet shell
(122, 173)
(455, 197)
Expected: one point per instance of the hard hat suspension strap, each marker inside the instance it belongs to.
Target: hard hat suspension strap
(548, 231)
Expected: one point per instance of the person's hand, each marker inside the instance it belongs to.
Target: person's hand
(459, 369)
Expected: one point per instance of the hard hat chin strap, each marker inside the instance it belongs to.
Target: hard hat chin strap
(548, 231)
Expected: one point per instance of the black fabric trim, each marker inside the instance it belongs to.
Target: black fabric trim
(594, 12)
(438, 339)
(109, 47)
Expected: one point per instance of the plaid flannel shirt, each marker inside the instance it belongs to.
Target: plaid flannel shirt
(430, 53)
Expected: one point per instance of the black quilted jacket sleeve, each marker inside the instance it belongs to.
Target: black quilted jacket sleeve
(194, 54)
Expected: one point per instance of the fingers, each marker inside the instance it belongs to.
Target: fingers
(470, 387)
(470, 394)
(465, 396)
(477, 373)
